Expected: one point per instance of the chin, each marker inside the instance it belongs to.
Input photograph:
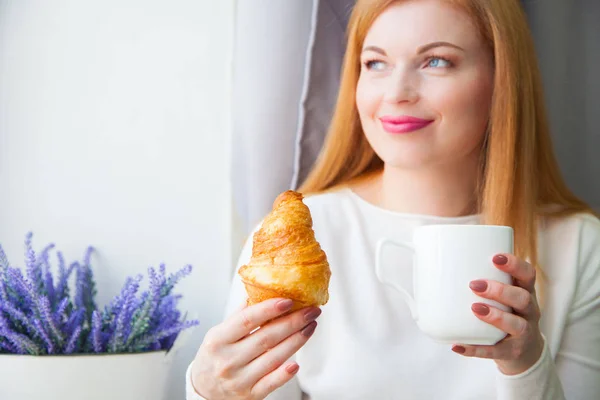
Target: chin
(423, 154)
(409, 162)
(406, 156)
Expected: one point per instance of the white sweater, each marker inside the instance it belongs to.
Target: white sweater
(367, 346)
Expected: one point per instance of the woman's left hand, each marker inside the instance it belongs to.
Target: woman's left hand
(523, 346)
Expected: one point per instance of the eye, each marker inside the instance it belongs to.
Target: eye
(438, 62)
(374, 65)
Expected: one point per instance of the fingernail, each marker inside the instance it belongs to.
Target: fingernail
(312, 314)
(478, 286)
(459, 349)
(499, 259)
(284, 305)
(309, 329)
(480, 309)
(292, 369)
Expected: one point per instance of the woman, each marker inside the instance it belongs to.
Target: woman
(440, 119)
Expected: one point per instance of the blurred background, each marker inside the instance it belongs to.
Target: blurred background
(162, 131)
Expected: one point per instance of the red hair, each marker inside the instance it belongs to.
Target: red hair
(520, 178)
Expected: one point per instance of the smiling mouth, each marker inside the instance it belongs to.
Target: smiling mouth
(399, 125)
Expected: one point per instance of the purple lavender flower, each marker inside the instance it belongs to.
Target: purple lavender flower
(38, 316)
(71, 345)
(142, 320)
(17, 318)
(3, 293)
(3, 323)
(47, 317)
(124, 317)
(3, 260)
(96, 336)
(44, 336)
(144, 342)
(85, 288)
(3, 274)
(117, 303)
(7, 347)
(75, 319)
(60, 312)
(22, 343)
(19, 291)
(170, 317)
(88, 256)
(80, 286)
(62, 286)
(48, 280)
(34, 273)
(175, 278)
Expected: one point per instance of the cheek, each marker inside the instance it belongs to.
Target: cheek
(367, 98)
(466, 103)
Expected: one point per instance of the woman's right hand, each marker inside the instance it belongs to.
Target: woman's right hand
(236, 361)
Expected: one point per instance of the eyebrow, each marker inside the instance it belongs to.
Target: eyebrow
(420, 50)
(430, 46)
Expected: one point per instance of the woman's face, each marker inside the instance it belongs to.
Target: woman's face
(425, 86)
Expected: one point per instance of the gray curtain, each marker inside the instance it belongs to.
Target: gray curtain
(286, 72)
(287, 62)
(567, 36)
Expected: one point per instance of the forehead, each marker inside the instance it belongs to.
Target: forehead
(408, 24)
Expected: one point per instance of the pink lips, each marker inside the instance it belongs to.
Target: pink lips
(403, 124)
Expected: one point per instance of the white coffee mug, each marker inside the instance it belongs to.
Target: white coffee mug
(446, 259)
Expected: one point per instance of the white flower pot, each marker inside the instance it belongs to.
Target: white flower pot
(85, 377)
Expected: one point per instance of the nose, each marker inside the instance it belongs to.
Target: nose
(403, 87)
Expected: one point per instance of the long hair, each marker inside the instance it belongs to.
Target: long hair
(520, 178)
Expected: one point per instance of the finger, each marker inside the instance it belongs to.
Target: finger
(274, 358)
(512, 324)
(248, 319)
(521, 271)
(499, 351)
(271, 334)
(241, 306)
(514, 297)
(274, 380)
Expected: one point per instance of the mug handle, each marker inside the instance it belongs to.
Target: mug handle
(378, 271)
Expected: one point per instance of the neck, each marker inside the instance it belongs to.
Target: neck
(444, 192)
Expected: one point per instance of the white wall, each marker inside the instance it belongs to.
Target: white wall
(114, 131)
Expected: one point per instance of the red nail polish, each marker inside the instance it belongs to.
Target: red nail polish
(309, 329)
(459, 349)
(480, 309)
(284, 305)
(478, 286)
(312, 314)
(292, 368)
(500, 259)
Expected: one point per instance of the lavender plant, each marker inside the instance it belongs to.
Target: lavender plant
(39, 316)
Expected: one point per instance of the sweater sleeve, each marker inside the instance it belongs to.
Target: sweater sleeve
(540, 382)
(575, 373)
(190, 392)
(237, 297)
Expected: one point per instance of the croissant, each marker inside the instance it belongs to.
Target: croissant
(287, 261)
